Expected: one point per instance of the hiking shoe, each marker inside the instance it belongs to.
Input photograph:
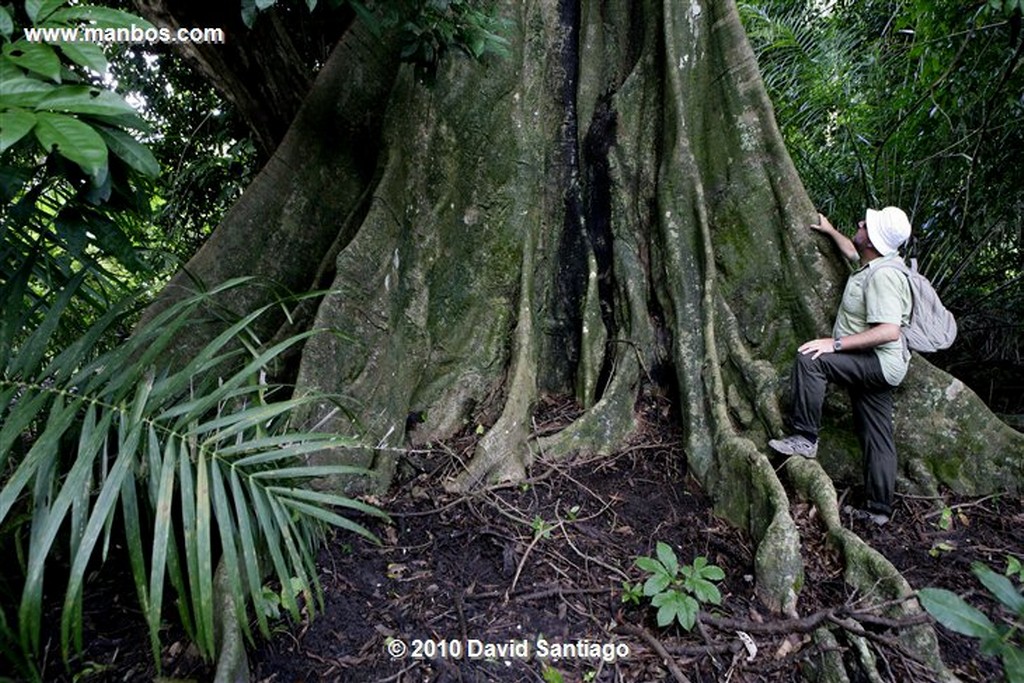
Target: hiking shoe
(795, 445)
(878, 518)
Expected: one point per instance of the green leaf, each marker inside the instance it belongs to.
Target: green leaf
(656, 584)
(366, 16)
(265, 4)
(244, 514)
(229, 545)
(204, 615)
(163, 505)
(297, 569)
(102, 511)
(282, 523)
(91, 440)
(14, 125)
(228, 425)
(59, 418)
(81, 99)
(38, 58)
(89, 55)
(995, 643)
(74, 140)
(6, 23)
(328, 499)
(132, 121)
(33, 349)
(1013, 664)
(651, 565)
(22, 91)
(111, 239)
(42, 10)
(25, 411)
(32, 9)
(674, 605)
(950, 610)
(1000, 587)
(100, 17)
(133, 539)
(131, 151)
(330, 517)
(705, 591)
(187, 498)
(1014, 567)
(668, 558)
(272, 540)
(249, 13)
(712, 573)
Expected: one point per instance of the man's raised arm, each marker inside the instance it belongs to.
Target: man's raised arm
(842, 241)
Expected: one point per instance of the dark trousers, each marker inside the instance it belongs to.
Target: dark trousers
(871, 395)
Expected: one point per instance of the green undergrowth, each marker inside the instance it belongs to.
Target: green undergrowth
(185, 469)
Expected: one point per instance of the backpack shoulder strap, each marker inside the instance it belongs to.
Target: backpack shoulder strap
(895, 265)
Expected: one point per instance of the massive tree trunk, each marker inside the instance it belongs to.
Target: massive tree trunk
(606, 212)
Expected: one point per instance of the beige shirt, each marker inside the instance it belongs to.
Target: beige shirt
(886, 299)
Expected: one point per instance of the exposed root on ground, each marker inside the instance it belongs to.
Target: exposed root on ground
(881, 619)
(550, 557)
(867, 571)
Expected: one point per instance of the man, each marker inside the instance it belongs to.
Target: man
(865, 354)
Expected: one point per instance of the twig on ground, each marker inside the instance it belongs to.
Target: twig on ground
(525, 596)
(856, 630)
(522, 561)
(960, 506)
(589, 558)
(657, 647)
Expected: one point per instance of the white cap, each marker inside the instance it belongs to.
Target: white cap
(888, 229)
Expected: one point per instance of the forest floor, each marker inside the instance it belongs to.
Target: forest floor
(496, 585)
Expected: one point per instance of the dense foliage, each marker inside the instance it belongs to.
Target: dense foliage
(913, 103)
(74, 179)
(916, 104)
(186, 469)
(427, 29)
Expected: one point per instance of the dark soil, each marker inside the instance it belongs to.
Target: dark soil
(544, 562)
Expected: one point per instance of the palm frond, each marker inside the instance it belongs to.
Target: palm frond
(187, 467)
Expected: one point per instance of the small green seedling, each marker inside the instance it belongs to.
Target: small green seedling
(632, 592)
(677, 590)
(940, 548)
(552, 675)
(541, 529)
(948, 515)
(945, 519)
(273, 599)
(1014, 568)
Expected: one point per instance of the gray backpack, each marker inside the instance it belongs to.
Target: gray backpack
(932, 327)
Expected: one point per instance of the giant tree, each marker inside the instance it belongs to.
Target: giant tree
(607, 211)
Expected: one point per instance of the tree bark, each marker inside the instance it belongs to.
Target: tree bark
(607, 212)
(308, 200)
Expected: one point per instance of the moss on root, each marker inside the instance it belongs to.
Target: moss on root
(874, 579)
